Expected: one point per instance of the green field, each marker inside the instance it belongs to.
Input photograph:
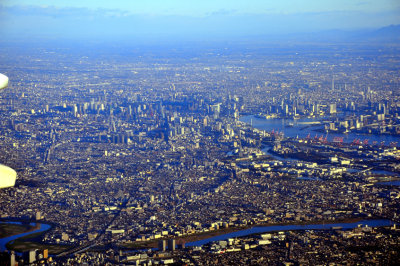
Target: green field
(7, 230)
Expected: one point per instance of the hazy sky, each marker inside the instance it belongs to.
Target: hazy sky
(207, 7)
(188, 18)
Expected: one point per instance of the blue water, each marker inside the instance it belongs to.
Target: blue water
(302, 130)
(383, 172)
(390, 183)
(378, 172)
(4, 241)
(309, 178)
(264, 229)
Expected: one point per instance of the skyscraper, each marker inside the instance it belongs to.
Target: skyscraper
(332, 108)
(171, 244)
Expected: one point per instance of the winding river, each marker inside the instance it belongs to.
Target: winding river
(265, 229)
(5, 240)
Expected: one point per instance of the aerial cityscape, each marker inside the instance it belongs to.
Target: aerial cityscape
(230, 153)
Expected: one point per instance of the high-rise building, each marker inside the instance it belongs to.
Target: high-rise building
(332, 108)
(171, 244)
(162, 245)
(30, 256)
(45, 253)
(12, 258)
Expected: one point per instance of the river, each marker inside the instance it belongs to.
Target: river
(300, 128)
(5, 240)
(281, 125)
(265, 229)
(390, 183)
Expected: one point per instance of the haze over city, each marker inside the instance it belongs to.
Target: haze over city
(182, 20)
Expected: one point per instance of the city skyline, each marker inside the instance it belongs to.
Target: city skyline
(140, 147)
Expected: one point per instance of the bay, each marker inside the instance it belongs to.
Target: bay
(304, 127)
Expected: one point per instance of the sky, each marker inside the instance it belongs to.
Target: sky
(160, 19)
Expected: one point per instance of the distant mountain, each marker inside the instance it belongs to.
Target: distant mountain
(389, 34)
(386, 34)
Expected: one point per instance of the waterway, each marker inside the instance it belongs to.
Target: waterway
(303, 127)
(265, 229)
(266, 151)
(390, 183)
(5, 240)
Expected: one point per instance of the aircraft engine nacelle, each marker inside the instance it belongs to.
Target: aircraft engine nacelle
(3, 81)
